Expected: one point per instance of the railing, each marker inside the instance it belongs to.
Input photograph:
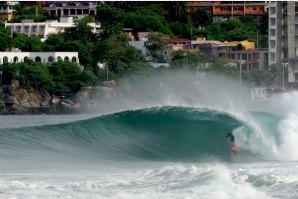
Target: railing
(216, 12)
(238, 12)
(256, 12)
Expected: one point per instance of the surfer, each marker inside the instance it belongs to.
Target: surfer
(234, 148)
(231, 139)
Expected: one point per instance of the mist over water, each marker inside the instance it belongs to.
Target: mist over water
(158, 137)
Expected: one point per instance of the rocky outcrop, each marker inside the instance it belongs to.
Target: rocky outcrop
(16, 100)
(66, 106)
(91, 95)
(110, 84)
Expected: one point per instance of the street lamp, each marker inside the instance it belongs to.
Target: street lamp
(284, 66)
(1, 77)
(107, 66)
(241, 61)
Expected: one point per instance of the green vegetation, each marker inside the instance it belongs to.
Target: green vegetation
(111, 45)
(37, 13)
(59, 78)
(239, 29)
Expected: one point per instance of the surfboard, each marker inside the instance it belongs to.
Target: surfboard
(235, 149)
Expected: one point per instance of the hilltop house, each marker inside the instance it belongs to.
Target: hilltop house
(6, 10)
(49, 27)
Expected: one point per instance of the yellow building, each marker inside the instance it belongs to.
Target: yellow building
(6, 10)
(246, 44)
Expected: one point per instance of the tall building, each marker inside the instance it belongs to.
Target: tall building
(223, 10)
(283, 38)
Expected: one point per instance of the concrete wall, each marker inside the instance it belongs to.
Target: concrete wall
(140, 46)
(44, 57)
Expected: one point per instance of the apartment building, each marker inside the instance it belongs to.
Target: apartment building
(224, 10)
(283, 38)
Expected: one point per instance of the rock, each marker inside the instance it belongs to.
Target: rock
(84, 96)
(111, 84)
(65, 106)
(103, 92)
(21, 101)
(14, 85)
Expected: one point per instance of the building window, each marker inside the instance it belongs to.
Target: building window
(66, 12)
(225, 8)
(254, 8)
(37, 59)
(296, 77)
(26, 59)
(79, 12)
(74, 59)
(237, 8)
(72, 11)
(26, 29)
(51, 59)
(5, 60)
(59, 58)
(15, 59)
(42, 28)
(66, 58)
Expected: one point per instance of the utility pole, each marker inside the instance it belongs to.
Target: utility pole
(240, 61)
(257, 38)
(107, 66)
(36, 8)
(11, 39)
(284, 66)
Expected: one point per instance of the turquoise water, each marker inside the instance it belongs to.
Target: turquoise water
(158, 138)
(159, 152)
(163, 134)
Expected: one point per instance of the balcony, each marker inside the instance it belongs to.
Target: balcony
(217, 12)
(255, 12)
(238, 12)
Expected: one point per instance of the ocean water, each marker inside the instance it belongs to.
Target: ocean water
(167, 146)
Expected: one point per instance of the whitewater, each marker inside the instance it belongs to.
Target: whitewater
(161, 137)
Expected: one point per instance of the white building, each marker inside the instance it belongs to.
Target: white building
(260, 94)
(44, 57)
(140, 46)
(50, 27)
(77, 9)
(283, 38)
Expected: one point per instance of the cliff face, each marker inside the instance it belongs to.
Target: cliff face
(90, 96)
(15, 100)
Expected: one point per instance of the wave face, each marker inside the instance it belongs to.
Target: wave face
(167, 133)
